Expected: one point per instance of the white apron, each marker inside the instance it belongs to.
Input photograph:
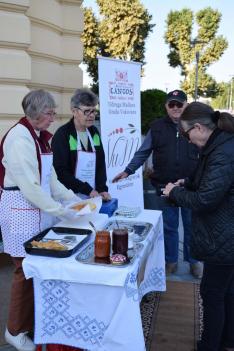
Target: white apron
(86, 164)
(46, 170)
(19, 219)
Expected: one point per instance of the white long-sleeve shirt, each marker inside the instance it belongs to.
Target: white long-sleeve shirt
(21, 170)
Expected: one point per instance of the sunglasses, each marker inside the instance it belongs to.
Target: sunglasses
(88, 112)
(173, 104)
(185, 133)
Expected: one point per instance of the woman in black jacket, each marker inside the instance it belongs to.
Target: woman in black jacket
(79, 158)
(210, 195)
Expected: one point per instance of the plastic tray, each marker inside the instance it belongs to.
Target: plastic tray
(59, 231)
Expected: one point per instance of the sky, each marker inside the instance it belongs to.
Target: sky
(158, 73)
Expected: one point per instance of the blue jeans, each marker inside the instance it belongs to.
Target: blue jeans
(171, 234)
(217, 292)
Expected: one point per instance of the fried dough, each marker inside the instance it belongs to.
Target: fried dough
(79, 207)
(50, 244)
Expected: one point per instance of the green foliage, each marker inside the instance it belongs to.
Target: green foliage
(120, 32)
(93, 46)
(182, 50)
(152, 106)
(222, 101)
(178, 35)
(207, 85)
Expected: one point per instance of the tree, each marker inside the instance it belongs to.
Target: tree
(222, 101)
(120, 32)
(152, 106)
(183, 49)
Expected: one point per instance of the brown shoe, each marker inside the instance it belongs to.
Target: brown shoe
(196, 269)
(171, 267)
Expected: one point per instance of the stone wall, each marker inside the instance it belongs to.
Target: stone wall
(40, 47)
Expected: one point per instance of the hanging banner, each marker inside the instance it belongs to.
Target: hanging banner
(119, 95)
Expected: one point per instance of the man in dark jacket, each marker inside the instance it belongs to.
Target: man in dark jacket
(173, 158)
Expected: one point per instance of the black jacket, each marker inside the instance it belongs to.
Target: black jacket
(64, 160)
(173, 156)
(210, 195)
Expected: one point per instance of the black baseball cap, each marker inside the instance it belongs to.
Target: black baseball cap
(176, 95)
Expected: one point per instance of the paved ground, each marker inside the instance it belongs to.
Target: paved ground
(182, 273)
(6, 270)
(7, 348)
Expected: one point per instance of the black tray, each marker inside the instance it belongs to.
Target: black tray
(56, 253)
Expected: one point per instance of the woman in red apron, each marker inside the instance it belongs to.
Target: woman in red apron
(30, 202)
(79, 158)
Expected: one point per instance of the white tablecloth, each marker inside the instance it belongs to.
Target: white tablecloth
(97, 307)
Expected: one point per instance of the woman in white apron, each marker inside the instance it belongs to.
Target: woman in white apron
(30, 202)
(79, 158)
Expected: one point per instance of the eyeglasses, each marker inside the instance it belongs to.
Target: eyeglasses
(88, 112)
(172, 104)
(50, 114)
(185, 133)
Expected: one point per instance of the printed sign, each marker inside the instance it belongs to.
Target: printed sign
(119, 94)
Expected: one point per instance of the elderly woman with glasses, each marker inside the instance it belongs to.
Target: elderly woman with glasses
(79, 158)
(30, 202)
(210, 195)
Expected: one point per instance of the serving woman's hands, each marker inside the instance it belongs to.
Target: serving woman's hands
(168, 188)
(94, 193)
(105, 196)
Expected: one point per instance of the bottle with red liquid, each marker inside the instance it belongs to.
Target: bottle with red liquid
(102, 244)
(120, 241)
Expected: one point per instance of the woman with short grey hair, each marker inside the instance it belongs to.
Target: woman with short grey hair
(83, 97)
(30, 202)
(79, 158)
(36, 102)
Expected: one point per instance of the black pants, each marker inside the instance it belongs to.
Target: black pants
(217, 292)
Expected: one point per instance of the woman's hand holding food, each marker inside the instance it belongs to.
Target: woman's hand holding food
(73, 200)
(68, 214)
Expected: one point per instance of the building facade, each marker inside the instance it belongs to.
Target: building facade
(40, 47)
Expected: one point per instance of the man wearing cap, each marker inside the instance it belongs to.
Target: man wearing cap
(173, 158)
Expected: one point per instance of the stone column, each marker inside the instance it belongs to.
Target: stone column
(15, 62)
(40, 47)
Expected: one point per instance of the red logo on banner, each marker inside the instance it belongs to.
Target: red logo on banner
(131, 129)
(121, 76)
